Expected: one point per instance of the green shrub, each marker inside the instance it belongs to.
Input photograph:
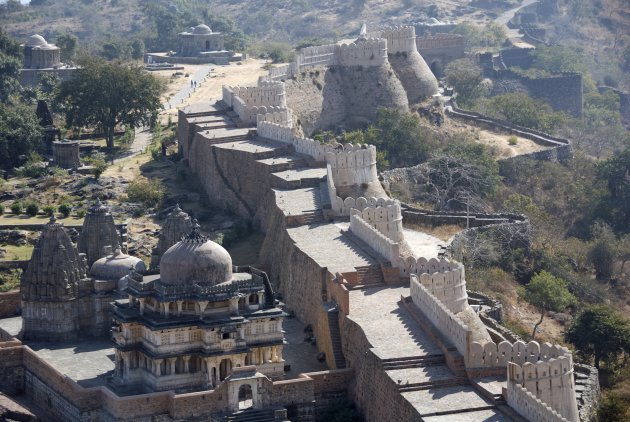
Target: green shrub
(16, 208)
(49, 210)
(34, 166)
(512, 140)
(32, 209)
(80, 213)
(1, 209)
(64, 210)
(149, 192)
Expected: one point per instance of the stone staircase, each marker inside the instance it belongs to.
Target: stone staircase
(369, 275)
(312, 217)
(412, 362)
(335, 338)
(428, 385)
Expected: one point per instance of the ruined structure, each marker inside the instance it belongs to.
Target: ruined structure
(440, 49)
(188, 328)
(42, 57)
(98, 233)
(66, 154)
(177, 224)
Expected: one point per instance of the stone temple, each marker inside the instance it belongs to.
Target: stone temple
(187, 328)
(42, 57)
(177, 224)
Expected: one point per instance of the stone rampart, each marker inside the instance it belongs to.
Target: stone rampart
(319, 55)
(389, 249)
(264, 94)
(442, 318)
(282, 117)
(400, 39)
(353, 164)
(371, 52)
(529, 406)
(385, 218)
(491, 355)
(430, 42)
(284, 134)
(550, 381)
(443, 279)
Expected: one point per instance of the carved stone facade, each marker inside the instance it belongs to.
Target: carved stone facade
(99, 233)
(187, 328)
(177, 224)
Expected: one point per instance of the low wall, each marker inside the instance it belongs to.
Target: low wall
(389, 249)
(10, 303)
(449, 287)
(386, 219)
(560, 148)
(529, 406)
(353, 164)
(432, 218)
(490, 354)
(444, 320)
(285, 135)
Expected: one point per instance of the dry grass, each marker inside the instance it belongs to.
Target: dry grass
(17, 253)
(13, 220)
(441, 232)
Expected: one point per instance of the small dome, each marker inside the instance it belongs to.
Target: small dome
(202, 29)
(195, 259)
(116, 266)
(36, 41)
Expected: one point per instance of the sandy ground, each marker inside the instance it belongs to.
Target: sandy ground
(246, 73)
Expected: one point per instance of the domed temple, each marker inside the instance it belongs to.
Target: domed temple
(42, 57)
(190, 326)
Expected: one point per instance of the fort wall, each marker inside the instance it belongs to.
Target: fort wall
(284, 134)
(386, 219)
(529, 406)
(353, 164)
(400, 39)
(389, 249)
(444, 320)
(491, 354)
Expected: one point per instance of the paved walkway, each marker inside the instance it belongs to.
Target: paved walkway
(185, 92)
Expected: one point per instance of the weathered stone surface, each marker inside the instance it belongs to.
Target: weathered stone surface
(177, 224)
(98, 232)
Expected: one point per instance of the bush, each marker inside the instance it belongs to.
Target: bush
(1, 209)
(80, 213)
(34, 166)
(149, 192)
(512, 140)
(64, 210)
(16, 208)
(32, 209)
(49, 210)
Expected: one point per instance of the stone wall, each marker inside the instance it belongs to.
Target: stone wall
(449, 287)
(282, 117)
(284, 134)
(400, 39)
(490, 354)
(386, 219)
(353, 164)
(440, 49)
(388, 249)
(551, 382)
(10, 303)
(529, 406)
(442, 318)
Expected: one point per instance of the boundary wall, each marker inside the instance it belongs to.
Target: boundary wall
(377, 240)
(449, 287)
(400, 39)
(442, 318)
(284, 117)
(529, 406)
(490, 354)
(386, 219)
(551, 381)
(284, 134)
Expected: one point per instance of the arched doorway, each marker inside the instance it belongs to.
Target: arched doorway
(436, 68)
(245, 397)
(207, 45)
(225, 367)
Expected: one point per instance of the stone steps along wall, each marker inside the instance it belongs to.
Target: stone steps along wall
(447, 323)
(389, 249)
(400, 39)
(444, 280)
(353, 164)
(551, 382)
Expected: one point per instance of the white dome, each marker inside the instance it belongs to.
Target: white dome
(202, 29)
(116, 266)
(195, 259)
(36, 41)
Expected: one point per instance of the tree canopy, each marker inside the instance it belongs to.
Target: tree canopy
(106, 94)
(465, 77)
(615, 171)
(547, 293)
(10, 63)
(20, 134)
(601, 334)
(522, 110)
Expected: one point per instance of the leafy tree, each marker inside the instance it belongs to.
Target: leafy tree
(113, 50)
(68, 45)
(547, 293)
(602, 252)
(471, 34)
(558, 58)
(64, 210)
(107, 94)
(137, 49)
(520, 109)
(612, 408)
(32, 209)
(600, 333)
(494, 34)
(20, 134)
(465, 77)
(615, 171)
(10, 63)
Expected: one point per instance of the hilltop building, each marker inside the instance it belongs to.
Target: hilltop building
(41, 57)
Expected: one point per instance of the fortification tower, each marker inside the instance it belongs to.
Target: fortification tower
(50, 287)
(177, 224)
(98, 232)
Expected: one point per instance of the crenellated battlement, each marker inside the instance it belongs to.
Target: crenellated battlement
(370, 52)
(400, 39)
(447, 285)
(385, 246)
(284, 134)
(353, 165)
(282, 117)
(492, 355)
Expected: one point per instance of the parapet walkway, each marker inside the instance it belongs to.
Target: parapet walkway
(408, 355)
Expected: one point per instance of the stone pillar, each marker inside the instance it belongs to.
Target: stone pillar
(141, 301)
(279, 353)
(172, 362)
(179, 307)
(274, 353)
(261, 299)
(234, 305)
(241, 333)
(126, 364)
(266, 354)
(186, 362)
